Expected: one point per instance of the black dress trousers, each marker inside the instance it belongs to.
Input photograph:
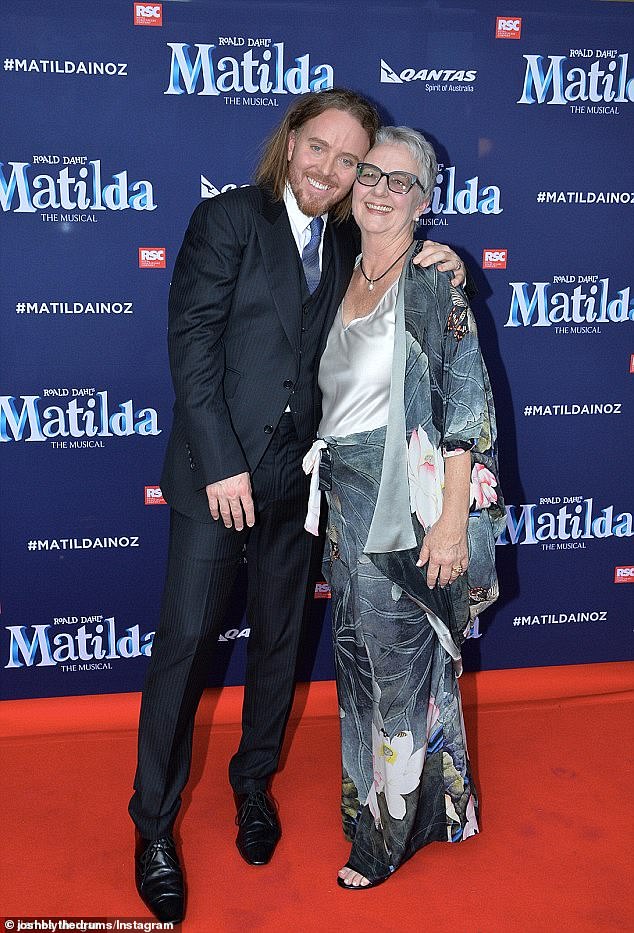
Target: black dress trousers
(202, 565)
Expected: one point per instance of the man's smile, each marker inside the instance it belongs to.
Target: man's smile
(317, 184)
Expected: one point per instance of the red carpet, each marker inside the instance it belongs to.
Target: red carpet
(551, 750)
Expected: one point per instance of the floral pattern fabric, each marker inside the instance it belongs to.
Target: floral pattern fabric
(448, 411)
(405, 772)
(426, 474)
(406, 779)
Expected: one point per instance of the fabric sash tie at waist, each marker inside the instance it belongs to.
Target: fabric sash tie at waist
(310, 464)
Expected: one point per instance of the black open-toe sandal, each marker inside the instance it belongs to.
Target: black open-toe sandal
(359, 887)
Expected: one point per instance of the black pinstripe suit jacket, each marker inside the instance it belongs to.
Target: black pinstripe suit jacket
(235, 311)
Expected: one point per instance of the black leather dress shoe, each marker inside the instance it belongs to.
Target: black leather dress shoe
(159, 879)
(258, 827)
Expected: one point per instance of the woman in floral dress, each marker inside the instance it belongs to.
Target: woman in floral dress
(407, 450)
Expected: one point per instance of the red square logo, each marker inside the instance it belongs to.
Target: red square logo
(624, 574)
(322, 591)
(148, 14)
(632, 362)
(508, 27)
(494, 258)
(151, 257)
(154, 496)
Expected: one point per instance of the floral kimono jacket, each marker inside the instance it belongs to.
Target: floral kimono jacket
(440, 405)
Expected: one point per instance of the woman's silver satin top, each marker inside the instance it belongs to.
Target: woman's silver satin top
(355, 370)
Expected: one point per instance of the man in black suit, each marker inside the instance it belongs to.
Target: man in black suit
(255, 288)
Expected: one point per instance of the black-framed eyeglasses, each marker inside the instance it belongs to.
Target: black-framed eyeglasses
(398, 182)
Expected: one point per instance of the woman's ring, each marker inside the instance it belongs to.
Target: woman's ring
(457, 570)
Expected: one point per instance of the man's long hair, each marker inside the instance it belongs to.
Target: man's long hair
(272, 170)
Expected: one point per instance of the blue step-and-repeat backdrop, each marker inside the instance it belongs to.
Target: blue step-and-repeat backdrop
(118, 117)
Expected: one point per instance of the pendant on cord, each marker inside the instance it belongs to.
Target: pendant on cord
(389, 268)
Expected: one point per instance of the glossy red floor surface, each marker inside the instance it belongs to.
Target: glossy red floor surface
(551, 749)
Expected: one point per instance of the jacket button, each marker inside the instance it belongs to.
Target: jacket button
(268, 428)
(288, 383)
(192, 465)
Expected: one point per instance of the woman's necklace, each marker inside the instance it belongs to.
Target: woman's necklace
(379, 277)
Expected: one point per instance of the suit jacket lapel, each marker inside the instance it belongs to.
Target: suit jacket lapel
(280, 260)
(333, 262)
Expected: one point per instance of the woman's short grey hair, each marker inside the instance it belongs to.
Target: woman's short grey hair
(421, 151)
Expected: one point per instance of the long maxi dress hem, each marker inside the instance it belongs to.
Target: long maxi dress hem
(406, 779)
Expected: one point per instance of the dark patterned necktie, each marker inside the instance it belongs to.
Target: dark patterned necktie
(310, 254)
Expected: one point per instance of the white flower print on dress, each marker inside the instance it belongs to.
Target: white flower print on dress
(482, 487)
(471, 826)
(426, 472)
(433, 715)
(397, 770)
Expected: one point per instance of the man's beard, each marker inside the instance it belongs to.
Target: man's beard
(312, 205)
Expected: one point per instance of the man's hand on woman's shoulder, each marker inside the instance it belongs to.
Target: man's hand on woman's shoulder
(444, 257)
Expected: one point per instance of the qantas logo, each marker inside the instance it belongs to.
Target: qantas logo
(389, 76)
